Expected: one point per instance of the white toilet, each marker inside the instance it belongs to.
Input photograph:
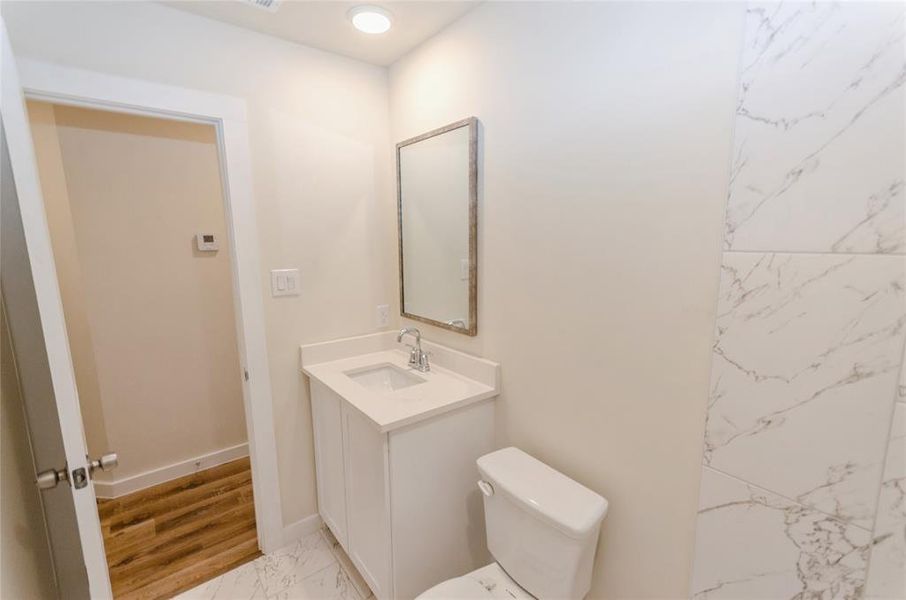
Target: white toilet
(542, 529)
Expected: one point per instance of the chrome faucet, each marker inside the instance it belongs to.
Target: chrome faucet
(418, 359)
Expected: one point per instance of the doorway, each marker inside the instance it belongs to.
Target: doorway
(37, 325)
(136, 217)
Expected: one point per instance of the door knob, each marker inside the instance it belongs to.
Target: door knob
(49, 479)
(105, 463)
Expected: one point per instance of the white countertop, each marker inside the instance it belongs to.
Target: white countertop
(442, 391)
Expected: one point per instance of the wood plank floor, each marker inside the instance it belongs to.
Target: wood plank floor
(173, 536)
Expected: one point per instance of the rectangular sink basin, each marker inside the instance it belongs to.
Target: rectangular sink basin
(384, 378)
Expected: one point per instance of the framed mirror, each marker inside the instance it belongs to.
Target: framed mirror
(437, 201)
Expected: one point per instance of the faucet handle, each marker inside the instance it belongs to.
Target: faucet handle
(413, 354)
(423, 365)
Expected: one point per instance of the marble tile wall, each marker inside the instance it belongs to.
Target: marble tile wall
(818, 149)
(887, 570)
(804, 467)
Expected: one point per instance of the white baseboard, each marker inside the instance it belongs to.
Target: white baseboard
(301, 528)
(120, 487)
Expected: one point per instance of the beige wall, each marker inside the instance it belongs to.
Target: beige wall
(26, 570)
(322, 169)
(150, 318)
(606, 141)
(69, 274)
(605, 148)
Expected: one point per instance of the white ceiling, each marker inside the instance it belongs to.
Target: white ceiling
(324, 25)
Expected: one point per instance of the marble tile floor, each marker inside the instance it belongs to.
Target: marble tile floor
(304, 570)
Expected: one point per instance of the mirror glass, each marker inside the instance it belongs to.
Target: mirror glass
(437, 183)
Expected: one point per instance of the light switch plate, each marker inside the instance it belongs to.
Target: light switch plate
(285, 282)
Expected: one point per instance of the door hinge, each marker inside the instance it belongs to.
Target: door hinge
(245, 373)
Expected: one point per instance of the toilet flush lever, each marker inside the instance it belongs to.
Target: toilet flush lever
(486, 488)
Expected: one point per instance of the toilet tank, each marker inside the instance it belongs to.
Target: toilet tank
(542, 527)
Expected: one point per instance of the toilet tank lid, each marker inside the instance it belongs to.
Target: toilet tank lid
(566, 504)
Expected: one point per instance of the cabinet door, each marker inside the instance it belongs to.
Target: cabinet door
(328, 427)
(368, 502)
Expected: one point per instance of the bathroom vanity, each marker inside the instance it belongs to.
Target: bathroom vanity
(395, 453)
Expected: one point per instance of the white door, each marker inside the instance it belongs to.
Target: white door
(40, 344)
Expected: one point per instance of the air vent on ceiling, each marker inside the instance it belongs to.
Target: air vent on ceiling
(271, 5)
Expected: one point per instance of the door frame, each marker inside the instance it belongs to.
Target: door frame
(89, 89)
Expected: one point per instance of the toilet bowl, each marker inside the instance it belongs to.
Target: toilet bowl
(542, 530)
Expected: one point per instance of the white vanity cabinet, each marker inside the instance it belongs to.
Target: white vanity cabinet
(400, 494)
(367, 501)
(395, 452)
(327, 416)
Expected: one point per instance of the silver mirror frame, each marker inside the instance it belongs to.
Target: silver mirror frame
(472, 326)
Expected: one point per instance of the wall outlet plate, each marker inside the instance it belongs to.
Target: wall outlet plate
(382, 315)
(285, 282)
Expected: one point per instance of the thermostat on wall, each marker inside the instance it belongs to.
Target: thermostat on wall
(206, 242)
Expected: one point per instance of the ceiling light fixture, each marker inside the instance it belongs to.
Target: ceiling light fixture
(370, 19)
